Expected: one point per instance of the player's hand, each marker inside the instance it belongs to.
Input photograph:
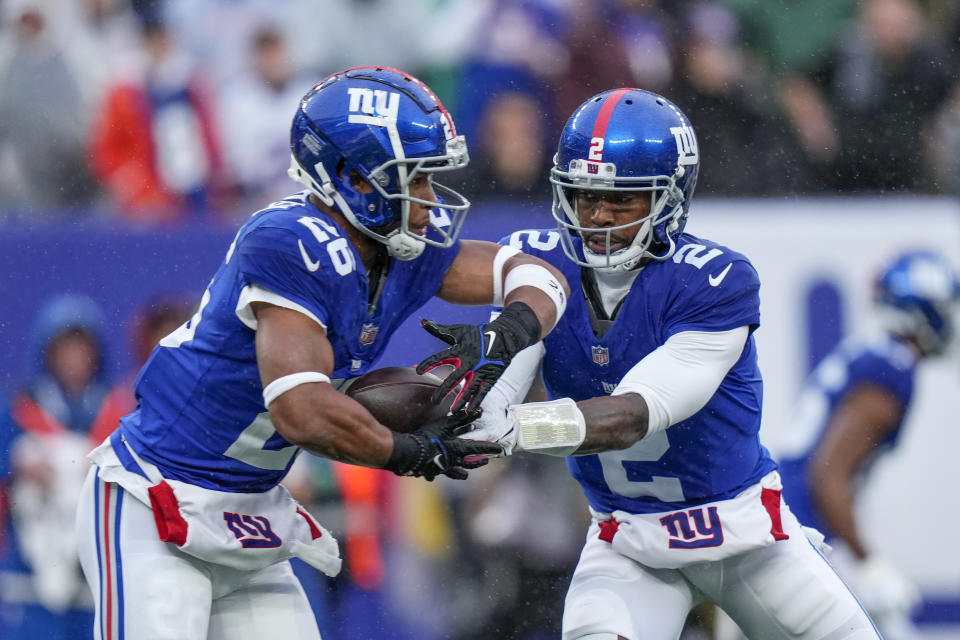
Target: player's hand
(479, 353)
(494, 425)
(435, 449)
(883, 589)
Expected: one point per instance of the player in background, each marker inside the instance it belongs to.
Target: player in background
(852, 410)
(184, 529)
(656, 399)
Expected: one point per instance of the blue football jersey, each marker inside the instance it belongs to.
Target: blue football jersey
(714, 454)
(877, 359)
(201, 417)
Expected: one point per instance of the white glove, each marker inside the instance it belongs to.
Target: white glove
(494, 425)
(883, 589)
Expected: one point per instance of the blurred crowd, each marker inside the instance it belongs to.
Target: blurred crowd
(157, 111)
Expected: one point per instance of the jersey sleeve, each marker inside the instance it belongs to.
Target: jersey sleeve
(717, 297)
(871, 367)
(293, 267)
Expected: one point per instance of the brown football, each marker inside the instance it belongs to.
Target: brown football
(398, 397)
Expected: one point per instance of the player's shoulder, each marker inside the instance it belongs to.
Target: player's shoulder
(704, 264)
(293, 229)
(875, 348)
(544, 243)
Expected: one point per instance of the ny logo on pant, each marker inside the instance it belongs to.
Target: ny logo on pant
(253, 532)
(693, 529)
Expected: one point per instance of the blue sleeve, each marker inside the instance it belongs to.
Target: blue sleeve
(870, 367)
(292, 265)
(720, 298)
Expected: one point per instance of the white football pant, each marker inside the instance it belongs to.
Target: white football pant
(786, 591)
(145, 589)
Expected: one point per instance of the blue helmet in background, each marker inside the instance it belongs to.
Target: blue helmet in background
(388, 127)
(626, 140)
(916, 297)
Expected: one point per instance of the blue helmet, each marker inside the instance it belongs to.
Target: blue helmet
(388, 127)
(916, 295)
(626, 140)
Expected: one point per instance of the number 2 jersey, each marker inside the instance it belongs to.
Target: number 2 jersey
(201, 417)
(878, 359)
(714, 454)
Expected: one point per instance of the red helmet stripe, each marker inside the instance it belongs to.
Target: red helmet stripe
(606, 110)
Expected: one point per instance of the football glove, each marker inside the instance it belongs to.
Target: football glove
(435, 449)
(480, 353)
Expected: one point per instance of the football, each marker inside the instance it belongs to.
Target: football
(398, 397)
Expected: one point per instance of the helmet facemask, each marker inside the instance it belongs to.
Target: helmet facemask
(390, 199)
(655, 231)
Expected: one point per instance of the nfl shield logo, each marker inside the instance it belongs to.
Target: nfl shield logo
(601, 355)
(368, 332)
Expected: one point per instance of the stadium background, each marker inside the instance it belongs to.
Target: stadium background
(816, 202)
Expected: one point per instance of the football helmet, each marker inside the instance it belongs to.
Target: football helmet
(916, 297)
(626, 140)
(388, 127)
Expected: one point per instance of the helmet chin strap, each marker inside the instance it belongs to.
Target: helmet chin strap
(404, 247)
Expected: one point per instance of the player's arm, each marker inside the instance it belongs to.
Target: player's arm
(533, 295)
(479, 272)
(669, 385)
(314, 416)
(861, 421)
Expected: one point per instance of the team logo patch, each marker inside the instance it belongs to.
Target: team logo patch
(609, 387)
(368, 333)
(601, 355)
(693, 529)
(253, 532)
(593, 168)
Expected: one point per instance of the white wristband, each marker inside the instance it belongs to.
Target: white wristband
(555, 428)
(535, 275)
(504, 254)
(284, 383)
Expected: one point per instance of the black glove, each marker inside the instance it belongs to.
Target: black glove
(436, 449)
(480, 353)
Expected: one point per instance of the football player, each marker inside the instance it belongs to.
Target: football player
(656, 398)
(184, 527)
(852, 409)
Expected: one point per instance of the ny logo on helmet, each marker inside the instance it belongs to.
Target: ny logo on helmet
(374, 102)
(687, 152)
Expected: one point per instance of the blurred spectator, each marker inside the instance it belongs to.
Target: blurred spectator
(729, 103)
(521, 529)
(518, 47)
(509, 154)
(614, 43)
(890, 77)
(155, 145)
(63, 410)
(255, 118)
(943, 159)
(153, 320)
(44, 114)
(795, 40)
